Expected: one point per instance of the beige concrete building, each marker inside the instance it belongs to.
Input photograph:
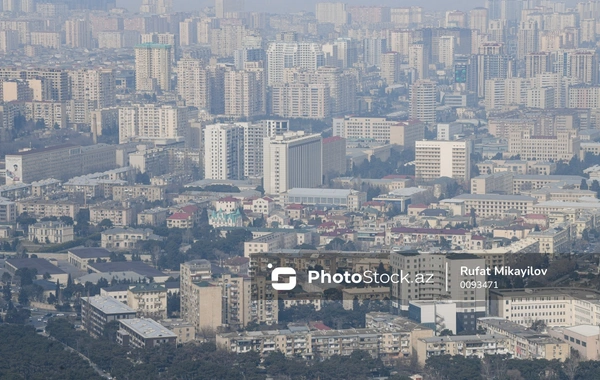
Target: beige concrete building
(185, 331)
(585, 339)
(125, 238)
(149, 300)
(152, 122)
(149, 192)
(153, 67)
(553, 241)
(524, 343)
(50, 40)
(495, 205)
(463, 345)
(144, 333)
(435, 159)
(194, 83)
(152, 217)
(563, 146)
(119, 215)
(50, 233)
(498, 183)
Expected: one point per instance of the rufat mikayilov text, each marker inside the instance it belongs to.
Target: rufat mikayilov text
(369, 277)
(503, 271)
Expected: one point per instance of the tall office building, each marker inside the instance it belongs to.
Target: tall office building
(78, 34)
(96, 85)
(193, 83)
(224, 151)
(423, 95)
(282, 55)
(332, 13)
(225, 8)
(153, 67)
(492, 63)
(188, 32)
(478, 19)
(292, 160)
(150, 122)
(245, 91)
(435, 159)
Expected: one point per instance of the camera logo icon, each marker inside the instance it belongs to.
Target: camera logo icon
(283, 271)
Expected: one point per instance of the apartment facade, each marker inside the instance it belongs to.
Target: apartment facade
(435, 159)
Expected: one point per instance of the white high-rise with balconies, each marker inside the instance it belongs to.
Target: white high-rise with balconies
(224, 151)
(292, 160)
(435, 159)
(193, 83)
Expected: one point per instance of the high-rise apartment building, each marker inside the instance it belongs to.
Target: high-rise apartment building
(423, 95)
(527, 38)
(331, 13)
(282, 55)
(435, 159)
(157, 6)
(418, 59)
(193, 83)
(446, 50)
(298, 100)
(153, 67)
(96, 85)
(537, 63)
(78, 34)
(224, 151)
(390, 67)
(583, 65)
(225, 8)
(245, 91)
(57, 80)
(478, 19)
(292, 160)
(149, 122)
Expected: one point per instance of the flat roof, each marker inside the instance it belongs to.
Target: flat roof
(41, 265)
(302, 191)
(109, 305)
(43, 150)
(495, 197)
(586, 330)
(90, 252)
(124, 266)
(148, 328)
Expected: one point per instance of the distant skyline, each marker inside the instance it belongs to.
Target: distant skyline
(283, 6)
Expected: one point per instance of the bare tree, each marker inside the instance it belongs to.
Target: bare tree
(571, 366)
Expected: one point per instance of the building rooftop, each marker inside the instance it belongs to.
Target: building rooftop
(90, 252)
(109, 305)
(123, 266)
(41, 265)
(148, 328)
(495, 197)
(586, 330)
(145, 288)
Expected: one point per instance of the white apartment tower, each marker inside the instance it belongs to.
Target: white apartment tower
(390, 67)
(446, 50)
(478, 19)
(292, 160)
(282, 55)
(151, 121)
(157, 6)
(193, 83)
(422, 101)
(435, 159)
(224, 151)
(153, 67)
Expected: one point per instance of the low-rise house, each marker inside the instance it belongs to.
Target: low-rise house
(50, 232)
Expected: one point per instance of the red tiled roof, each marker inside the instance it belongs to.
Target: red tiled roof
(331, 139)
(418, 205)
(535, 216)
(180, 216)
(295, 206)
(190, 209)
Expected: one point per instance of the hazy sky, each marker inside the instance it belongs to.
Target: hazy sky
(280, 6)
